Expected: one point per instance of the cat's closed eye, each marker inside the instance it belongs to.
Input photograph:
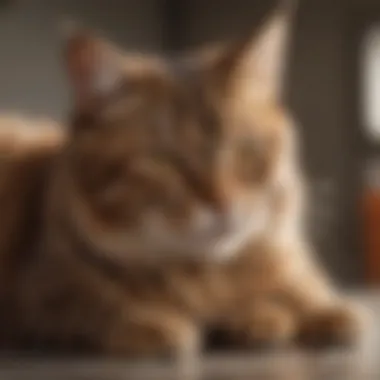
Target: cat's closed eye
(251, 159)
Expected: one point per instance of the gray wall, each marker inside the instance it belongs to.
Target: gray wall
(31, 77)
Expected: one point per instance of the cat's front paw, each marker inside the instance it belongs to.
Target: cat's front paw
(264, 326)
(341, 326)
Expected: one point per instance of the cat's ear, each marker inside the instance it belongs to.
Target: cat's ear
(94, 68)
(257, 65)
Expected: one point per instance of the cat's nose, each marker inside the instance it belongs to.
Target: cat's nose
(210, 222)
(217, 195)
(220, 202)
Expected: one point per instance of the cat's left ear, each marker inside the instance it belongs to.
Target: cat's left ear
(256, 66)
(94, 67)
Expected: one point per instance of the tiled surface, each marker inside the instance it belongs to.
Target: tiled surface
(363, 364)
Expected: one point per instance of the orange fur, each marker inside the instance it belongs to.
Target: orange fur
(148, 237)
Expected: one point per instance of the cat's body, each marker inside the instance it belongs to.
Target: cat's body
(173, 206)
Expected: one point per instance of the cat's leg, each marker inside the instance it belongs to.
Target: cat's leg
(325, 316)
(151, 331)
(331, 325)
(65, 300)
(157, 332)
(260, 324)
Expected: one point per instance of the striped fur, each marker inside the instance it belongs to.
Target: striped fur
(170, 208)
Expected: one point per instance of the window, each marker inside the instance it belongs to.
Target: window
(370, 100)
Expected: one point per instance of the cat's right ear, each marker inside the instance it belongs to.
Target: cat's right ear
(255, 66)
(93, 67)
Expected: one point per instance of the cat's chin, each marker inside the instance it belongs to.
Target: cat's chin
(131, 248)
(167, 243)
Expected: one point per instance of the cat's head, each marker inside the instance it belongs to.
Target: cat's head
(176, 156)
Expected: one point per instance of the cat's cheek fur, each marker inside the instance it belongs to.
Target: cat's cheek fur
(206, 236)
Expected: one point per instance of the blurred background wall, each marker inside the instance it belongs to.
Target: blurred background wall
(31, 76)
(322, 92)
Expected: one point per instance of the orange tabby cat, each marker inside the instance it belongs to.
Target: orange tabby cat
(174, 207)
